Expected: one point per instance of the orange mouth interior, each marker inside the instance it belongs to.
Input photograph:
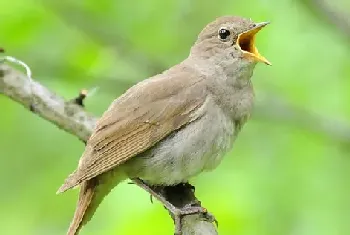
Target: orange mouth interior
(246, 42)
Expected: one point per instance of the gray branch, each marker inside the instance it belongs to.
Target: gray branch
(40, 100)
(75, 120)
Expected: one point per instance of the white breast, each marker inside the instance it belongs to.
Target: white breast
(197, 147)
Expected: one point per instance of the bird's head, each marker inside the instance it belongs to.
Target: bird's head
(230, 37)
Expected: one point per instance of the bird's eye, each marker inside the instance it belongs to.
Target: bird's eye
(223, 34)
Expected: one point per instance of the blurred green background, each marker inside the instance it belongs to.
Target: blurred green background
(289, 173)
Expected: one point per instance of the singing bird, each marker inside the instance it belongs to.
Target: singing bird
(174, 125)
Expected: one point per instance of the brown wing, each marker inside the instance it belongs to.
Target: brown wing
(136, 121)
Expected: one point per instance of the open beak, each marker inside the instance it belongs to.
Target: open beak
(246, 42)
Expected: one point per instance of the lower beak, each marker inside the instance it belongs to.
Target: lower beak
(246, 42)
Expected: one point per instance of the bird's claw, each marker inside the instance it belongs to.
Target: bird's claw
(211, 218)
(178, 215)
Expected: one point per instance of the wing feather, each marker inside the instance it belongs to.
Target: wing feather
(137, 120)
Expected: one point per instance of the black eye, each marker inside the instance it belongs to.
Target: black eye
(224, 33)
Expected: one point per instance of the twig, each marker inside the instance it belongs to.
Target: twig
(45, 103)
(74, 119)
(19, 62)
(79, 100)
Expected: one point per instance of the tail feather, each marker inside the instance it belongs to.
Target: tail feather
(69, 183)
(82, 214)
(91, 195)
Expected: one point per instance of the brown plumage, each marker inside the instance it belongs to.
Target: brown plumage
(131, 125)
(134, 123)
(174, 125)
(86, 195)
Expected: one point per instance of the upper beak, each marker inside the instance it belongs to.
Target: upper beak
(246, 42)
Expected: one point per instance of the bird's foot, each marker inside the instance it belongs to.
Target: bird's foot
(176, 213)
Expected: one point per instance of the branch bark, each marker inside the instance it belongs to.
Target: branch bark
(75, 120)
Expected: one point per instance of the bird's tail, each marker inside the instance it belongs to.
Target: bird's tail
(85, 208)
(91, 195)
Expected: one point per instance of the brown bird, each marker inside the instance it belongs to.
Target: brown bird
(175, 125)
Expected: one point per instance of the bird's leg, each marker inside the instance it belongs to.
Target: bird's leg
(176, 213)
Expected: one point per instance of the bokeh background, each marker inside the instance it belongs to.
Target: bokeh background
(289, 173)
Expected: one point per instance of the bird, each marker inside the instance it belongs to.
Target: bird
(175, 125)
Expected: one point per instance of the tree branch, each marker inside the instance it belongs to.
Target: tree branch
(38, 99)
(75, 120)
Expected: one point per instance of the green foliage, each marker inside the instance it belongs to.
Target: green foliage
(279, 179)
